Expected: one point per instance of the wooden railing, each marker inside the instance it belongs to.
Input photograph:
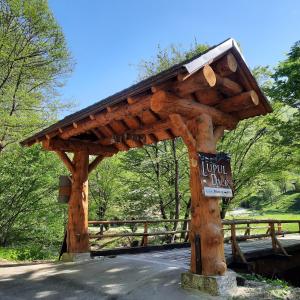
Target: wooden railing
(234, 231)
(146, 232)
(272, 228)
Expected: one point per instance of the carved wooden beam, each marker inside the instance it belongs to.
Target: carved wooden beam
(166, 103)
(76, 145)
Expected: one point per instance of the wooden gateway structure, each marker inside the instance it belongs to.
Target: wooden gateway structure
(195, 100)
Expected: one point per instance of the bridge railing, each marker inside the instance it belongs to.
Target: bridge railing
(143, 229)
(233, 231)
(262, 229)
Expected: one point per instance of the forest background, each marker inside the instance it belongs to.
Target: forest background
(152, 182)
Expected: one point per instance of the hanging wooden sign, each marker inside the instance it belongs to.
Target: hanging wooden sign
(64, 189)
(216, 175)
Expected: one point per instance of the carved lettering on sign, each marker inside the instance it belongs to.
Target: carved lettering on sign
(216, 175)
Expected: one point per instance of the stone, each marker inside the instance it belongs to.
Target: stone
(75, 257)
(224, 285)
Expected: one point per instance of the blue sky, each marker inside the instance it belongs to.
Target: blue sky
(108, 38)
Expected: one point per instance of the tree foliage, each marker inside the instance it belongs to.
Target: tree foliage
(33, 62)
(33, 59)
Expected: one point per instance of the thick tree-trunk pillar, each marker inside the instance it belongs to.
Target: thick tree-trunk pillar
(205, 211)
(77, 238)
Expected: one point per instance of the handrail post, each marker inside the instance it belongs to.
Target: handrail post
(145, 237)
(247, 232)
(233, 240)
(279, 228)
(187, 237)
(272, 233)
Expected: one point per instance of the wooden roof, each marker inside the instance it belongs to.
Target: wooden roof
(217, 82)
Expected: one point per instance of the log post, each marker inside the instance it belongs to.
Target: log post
(233, 240)
(145, 237)
(272, 234)
(78, 238)
(205, 211)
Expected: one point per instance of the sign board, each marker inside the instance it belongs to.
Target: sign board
(64, 189)
(216, 175)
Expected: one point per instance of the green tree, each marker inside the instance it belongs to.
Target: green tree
(29, 211)
(33, 60)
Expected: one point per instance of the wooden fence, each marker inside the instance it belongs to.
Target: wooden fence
(234, 231)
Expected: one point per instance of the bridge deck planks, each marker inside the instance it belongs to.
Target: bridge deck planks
(251, 249)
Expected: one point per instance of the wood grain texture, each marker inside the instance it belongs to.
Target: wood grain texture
(205, 212)
(77, 237)
(167, 103)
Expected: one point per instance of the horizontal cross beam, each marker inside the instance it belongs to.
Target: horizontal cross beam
(75, 145)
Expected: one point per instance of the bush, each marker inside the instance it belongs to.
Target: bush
(30, 253)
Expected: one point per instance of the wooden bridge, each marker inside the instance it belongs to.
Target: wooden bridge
(245, 240)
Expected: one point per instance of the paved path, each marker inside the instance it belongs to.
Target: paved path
(154, 275)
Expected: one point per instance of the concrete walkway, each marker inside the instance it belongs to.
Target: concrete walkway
(122, 277)
(154, 275)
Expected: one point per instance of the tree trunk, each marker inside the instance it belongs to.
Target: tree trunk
(78, 239)
(176, 188)
(205, 211)
(186, 216)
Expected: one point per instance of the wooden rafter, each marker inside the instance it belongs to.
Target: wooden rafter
(105, 118)
(108, 132)
(75, 145)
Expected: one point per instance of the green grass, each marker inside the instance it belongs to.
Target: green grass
(29, 253)
(288, 202)
(268, 215)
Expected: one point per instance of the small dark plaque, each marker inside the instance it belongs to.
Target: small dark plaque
(216, 175)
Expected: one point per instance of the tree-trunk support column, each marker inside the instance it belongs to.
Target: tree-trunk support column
(77, 238)
(205, 211)
(205, 218)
